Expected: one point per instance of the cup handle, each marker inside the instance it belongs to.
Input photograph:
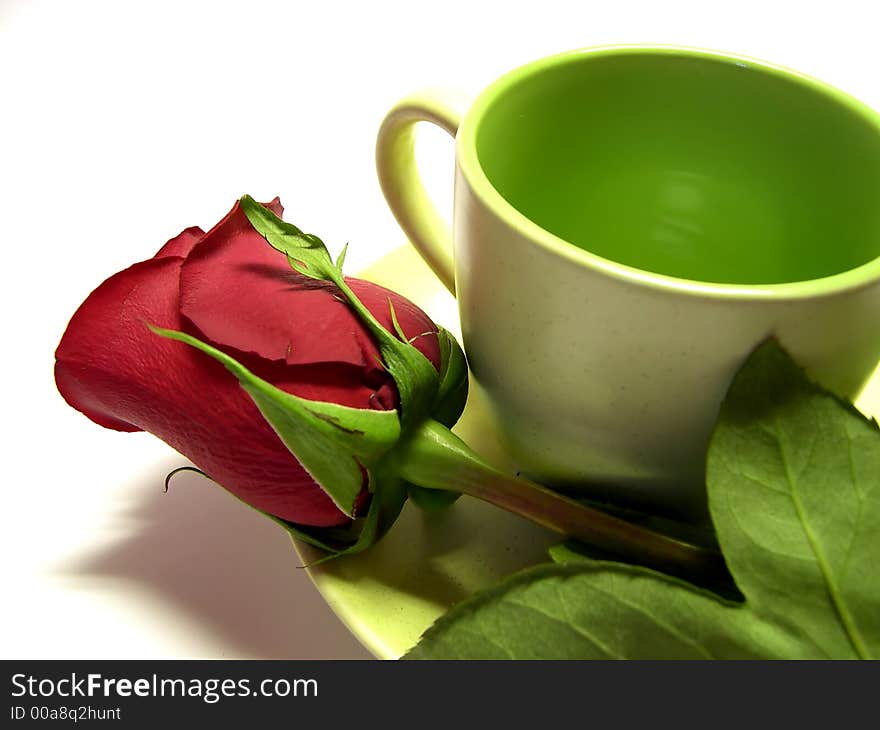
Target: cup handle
(400, 180)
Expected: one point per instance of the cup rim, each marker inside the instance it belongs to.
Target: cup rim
(469, 165)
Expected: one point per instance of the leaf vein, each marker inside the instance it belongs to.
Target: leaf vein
(670, 629)
(579, 630)
(849, 627)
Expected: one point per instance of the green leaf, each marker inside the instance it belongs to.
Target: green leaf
(332, 442)
(417, 381)
(598, 610)
(794, 489)
(794, 493)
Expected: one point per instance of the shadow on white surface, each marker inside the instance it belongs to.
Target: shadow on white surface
(215, 565)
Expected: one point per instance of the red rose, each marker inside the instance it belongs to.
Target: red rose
(230, 289)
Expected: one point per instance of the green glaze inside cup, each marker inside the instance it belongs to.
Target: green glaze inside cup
(688, 164)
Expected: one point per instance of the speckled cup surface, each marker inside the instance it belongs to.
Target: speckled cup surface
(630, 223)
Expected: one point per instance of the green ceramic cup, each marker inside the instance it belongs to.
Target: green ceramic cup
(629, 223)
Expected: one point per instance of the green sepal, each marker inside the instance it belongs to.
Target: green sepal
(396, 324)
(305, 252)
(340, 260)
(388, 497)
(452, 392)
(417, 381)
(332, 442)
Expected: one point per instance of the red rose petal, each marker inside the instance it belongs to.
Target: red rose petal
(239, 292)
(181, 244)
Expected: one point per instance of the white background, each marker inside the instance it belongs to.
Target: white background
(122, 123)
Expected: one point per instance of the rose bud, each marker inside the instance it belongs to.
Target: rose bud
(229, 289)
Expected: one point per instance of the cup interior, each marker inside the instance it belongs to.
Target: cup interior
(690, 165)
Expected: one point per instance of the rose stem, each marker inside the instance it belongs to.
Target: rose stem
(436, 458)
